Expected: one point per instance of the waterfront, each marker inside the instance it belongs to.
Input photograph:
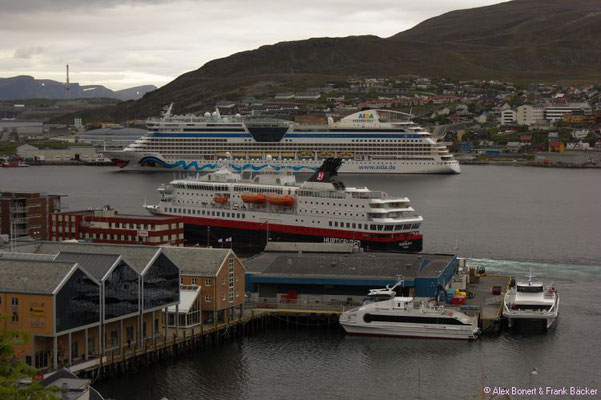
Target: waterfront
(496, 212)
(312, 363)
(490, 212)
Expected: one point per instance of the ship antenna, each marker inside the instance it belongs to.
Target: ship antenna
(530, 276)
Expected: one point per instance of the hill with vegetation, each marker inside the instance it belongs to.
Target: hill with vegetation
(519, 40)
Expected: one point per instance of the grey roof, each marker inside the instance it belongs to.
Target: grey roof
(62, 373)
(26, 256)
(195, 260)
(76, 387)
(32, 276)
(355, 265)
(137, 256)
(96, 264)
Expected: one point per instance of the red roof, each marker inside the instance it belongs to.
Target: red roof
(555, 143)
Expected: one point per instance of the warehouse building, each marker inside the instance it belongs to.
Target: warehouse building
(324, 274)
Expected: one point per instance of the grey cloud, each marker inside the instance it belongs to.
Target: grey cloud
(27, 52)
(28, 6)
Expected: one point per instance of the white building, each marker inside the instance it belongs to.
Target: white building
(555, 113)
(530, 115)
(78, 153)
(508, 117)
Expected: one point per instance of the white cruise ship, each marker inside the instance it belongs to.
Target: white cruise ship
(224, 206)
(371, 141)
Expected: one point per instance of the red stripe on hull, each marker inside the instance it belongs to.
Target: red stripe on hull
(300, 230)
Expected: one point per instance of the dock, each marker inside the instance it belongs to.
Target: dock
(490, 305)
(131, 359)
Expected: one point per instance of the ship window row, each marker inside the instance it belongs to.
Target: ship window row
(189, 211)
(327, 204)
(373, 227)
(255, 189)
(411, 320)
(325, 195)
(201, 186)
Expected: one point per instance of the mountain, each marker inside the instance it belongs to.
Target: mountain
(27, 87)
(520, 40)
(134, 93)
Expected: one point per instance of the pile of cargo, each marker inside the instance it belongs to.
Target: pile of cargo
(456, 296)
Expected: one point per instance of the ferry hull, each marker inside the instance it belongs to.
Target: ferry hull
(252, 240)
(140, 161)
(413, 331)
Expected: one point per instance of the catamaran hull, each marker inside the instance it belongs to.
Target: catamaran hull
(413, 331)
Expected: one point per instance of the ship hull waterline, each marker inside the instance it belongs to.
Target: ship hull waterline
(411, 331)
(247, 238)
(146, 162)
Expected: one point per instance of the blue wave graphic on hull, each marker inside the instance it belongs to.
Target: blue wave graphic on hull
(194, 165)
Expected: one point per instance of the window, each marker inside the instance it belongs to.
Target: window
(208, 298)
(14, 301)
(208, 282)
(194, 281)
(15, 317)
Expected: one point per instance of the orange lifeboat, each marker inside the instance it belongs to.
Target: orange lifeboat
(281, 200)
(253, 198)
(220, 199)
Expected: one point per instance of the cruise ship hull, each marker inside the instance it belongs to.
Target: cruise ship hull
(139, 161)
(251, 237)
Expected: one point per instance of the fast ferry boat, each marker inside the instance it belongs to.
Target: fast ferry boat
(372, 141)
(383, 313)
(222, 208)
(530, 300)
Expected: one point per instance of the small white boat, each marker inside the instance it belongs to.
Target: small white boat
(383, 313)
(530, 300)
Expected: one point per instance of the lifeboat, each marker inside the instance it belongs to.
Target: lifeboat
(220, 199)
(253, 198)
(326, 154)
(345, 154)
(306, 154)
(281, 200)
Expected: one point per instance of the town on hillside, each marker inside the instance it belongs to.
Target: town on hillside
(481, 121)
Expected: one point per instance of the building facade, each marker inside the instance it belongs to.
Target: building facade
(108, 226)
(219, 273)
(529, 115)
(27, 214)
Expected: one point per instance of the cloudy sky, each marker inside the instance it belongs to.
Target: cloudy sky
(123, 43)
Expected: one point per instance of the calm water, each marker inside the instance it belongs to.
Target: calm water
(505, 218)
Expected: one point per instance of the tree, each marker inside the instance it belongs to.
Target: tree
(15, 375)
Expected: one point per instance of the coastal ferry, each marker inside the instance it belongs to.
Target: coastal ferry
(370, 142)
(224, 209)
(384, 313)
